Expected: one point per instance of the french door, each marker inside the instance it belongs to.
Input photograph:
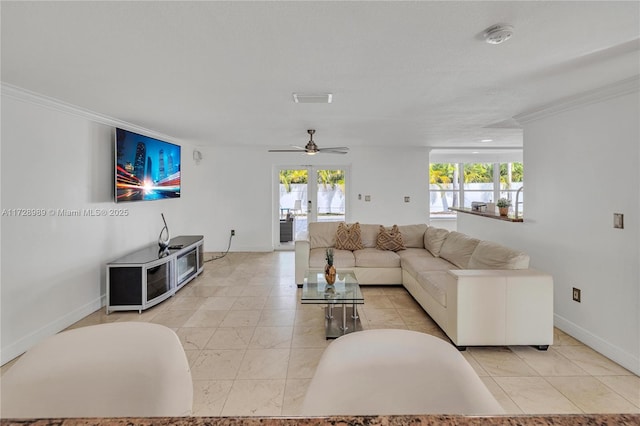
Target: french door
(307, 194)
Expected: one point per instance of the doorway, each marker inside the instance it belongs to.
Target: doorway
(308, 194)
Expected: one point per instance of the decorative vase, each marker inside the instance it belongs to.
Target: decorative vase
(330, 274)
(504, 211)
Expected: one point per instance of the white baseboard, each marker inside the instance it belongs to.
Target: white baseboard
(614, 353)
(25, 343)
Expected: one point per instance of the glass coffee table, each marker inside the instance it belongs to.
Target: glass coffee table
(339, 320)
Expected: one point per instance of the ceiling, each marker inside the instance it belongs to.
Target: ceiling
(401, 73)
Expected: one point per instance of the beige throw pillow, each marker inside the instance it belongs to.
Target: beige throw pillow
(390, 239)
(348, 237)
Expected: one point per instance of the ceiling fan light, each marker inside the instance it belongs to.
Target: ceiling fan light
(313, 98)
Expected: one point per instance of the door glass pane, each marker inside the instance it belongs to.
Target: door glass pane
(511, 179)
(330, 204)
(293, 203)
(444, 190)
(478, 183)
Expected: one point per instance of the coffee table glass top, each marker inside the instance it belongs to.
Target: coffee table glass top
(345, 290)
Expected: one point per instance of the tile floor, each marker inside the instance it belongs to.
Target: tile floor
(253, 347)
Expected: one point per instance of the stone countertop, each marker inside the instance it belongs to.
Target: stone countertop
(424, 420)
(490, 215)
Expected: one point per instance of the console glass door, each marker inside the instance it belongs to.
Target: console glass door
(158, 280)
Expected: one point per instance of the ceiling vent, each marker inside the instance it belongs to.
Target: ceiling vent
(497, 34)
(312, 98)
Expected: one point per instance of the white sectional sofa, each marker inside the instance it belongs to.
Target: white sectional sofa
(480, 293)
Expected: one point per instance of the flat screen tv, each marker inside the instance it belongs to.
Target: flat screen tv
(146, 168)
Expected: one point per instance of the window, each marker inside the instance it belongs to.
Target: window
(484, 182)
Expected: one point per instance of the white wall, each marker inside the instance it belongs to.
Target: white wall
(53, 267)
(58, 157)
(593, 151)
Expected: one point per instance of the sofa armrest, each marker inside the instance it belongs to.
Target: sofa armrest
(498, 307)
(302, 249)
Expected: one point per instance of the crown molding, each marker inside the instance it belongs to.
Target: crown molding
(619, 88)
(28, 96)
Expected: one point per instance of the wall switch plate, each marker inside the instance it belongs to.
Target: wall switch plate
(576, 294)
(367, 197)
(618, 220)
(407, 199)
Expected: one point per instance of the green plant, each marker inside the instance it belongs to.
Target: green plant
(329, 256)
(503, 202)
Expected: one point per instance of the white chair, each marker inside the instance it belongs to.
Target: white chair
(395, 372)
(297, 207)
(128, 369)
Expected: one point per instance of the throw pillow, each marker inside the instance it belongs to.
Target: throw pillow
(390, 239)
(348, 237)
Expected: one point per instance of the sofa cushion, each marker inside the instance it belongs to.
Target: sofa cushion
(416, 264)
(348, 237)
(435, 283)
(374, 258)
(413, 235)
(389, 239)
(413, 252)
(457, 248)
(433, 239)
(369, 235)
(341, 258)
(488, 255)
(322, 234)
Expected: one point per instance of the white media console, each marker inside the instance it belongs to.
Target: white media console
(150, 275)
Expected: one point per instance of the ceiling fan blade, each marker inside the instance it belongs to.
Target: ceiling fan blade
(296, 149)
(335, 148)
(331, 151)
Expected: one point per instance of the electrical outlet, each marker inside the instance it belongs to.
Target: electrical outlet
(233, 232)
(618, 220)
(576, 294)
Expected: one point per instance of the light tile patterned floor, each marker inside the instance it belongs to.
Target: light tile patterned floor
(253, 347)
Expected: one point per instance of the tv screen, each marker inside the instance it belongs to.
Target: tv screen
(146, 168)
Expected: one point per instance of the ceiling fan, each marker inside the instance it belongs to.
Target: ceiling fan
(312, 149)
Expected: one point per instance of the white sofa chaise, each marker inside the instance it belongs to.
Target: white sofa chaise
(480, 293)
(426, 376)
(128, 369)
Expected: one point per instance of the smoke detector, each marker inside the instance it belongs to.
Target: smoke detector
(497, 34)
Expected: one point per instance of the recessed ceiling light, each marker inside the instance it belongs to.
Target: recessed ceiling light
(498, 33)
(312, 98)
(475, 152)
(486, 140)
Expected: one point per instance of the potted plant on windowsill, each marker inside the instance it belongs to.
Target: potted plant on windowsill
(503, 206)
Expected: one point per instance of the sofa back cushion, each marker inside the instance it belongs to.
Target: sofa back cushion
(458, 248)
(348, 237)
(322, 234)
(488, 255)
(413, 235)
(369, 235)
(433, 239)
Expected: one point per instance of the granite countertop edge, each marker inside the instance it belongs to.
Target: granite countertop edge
(426, 420)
